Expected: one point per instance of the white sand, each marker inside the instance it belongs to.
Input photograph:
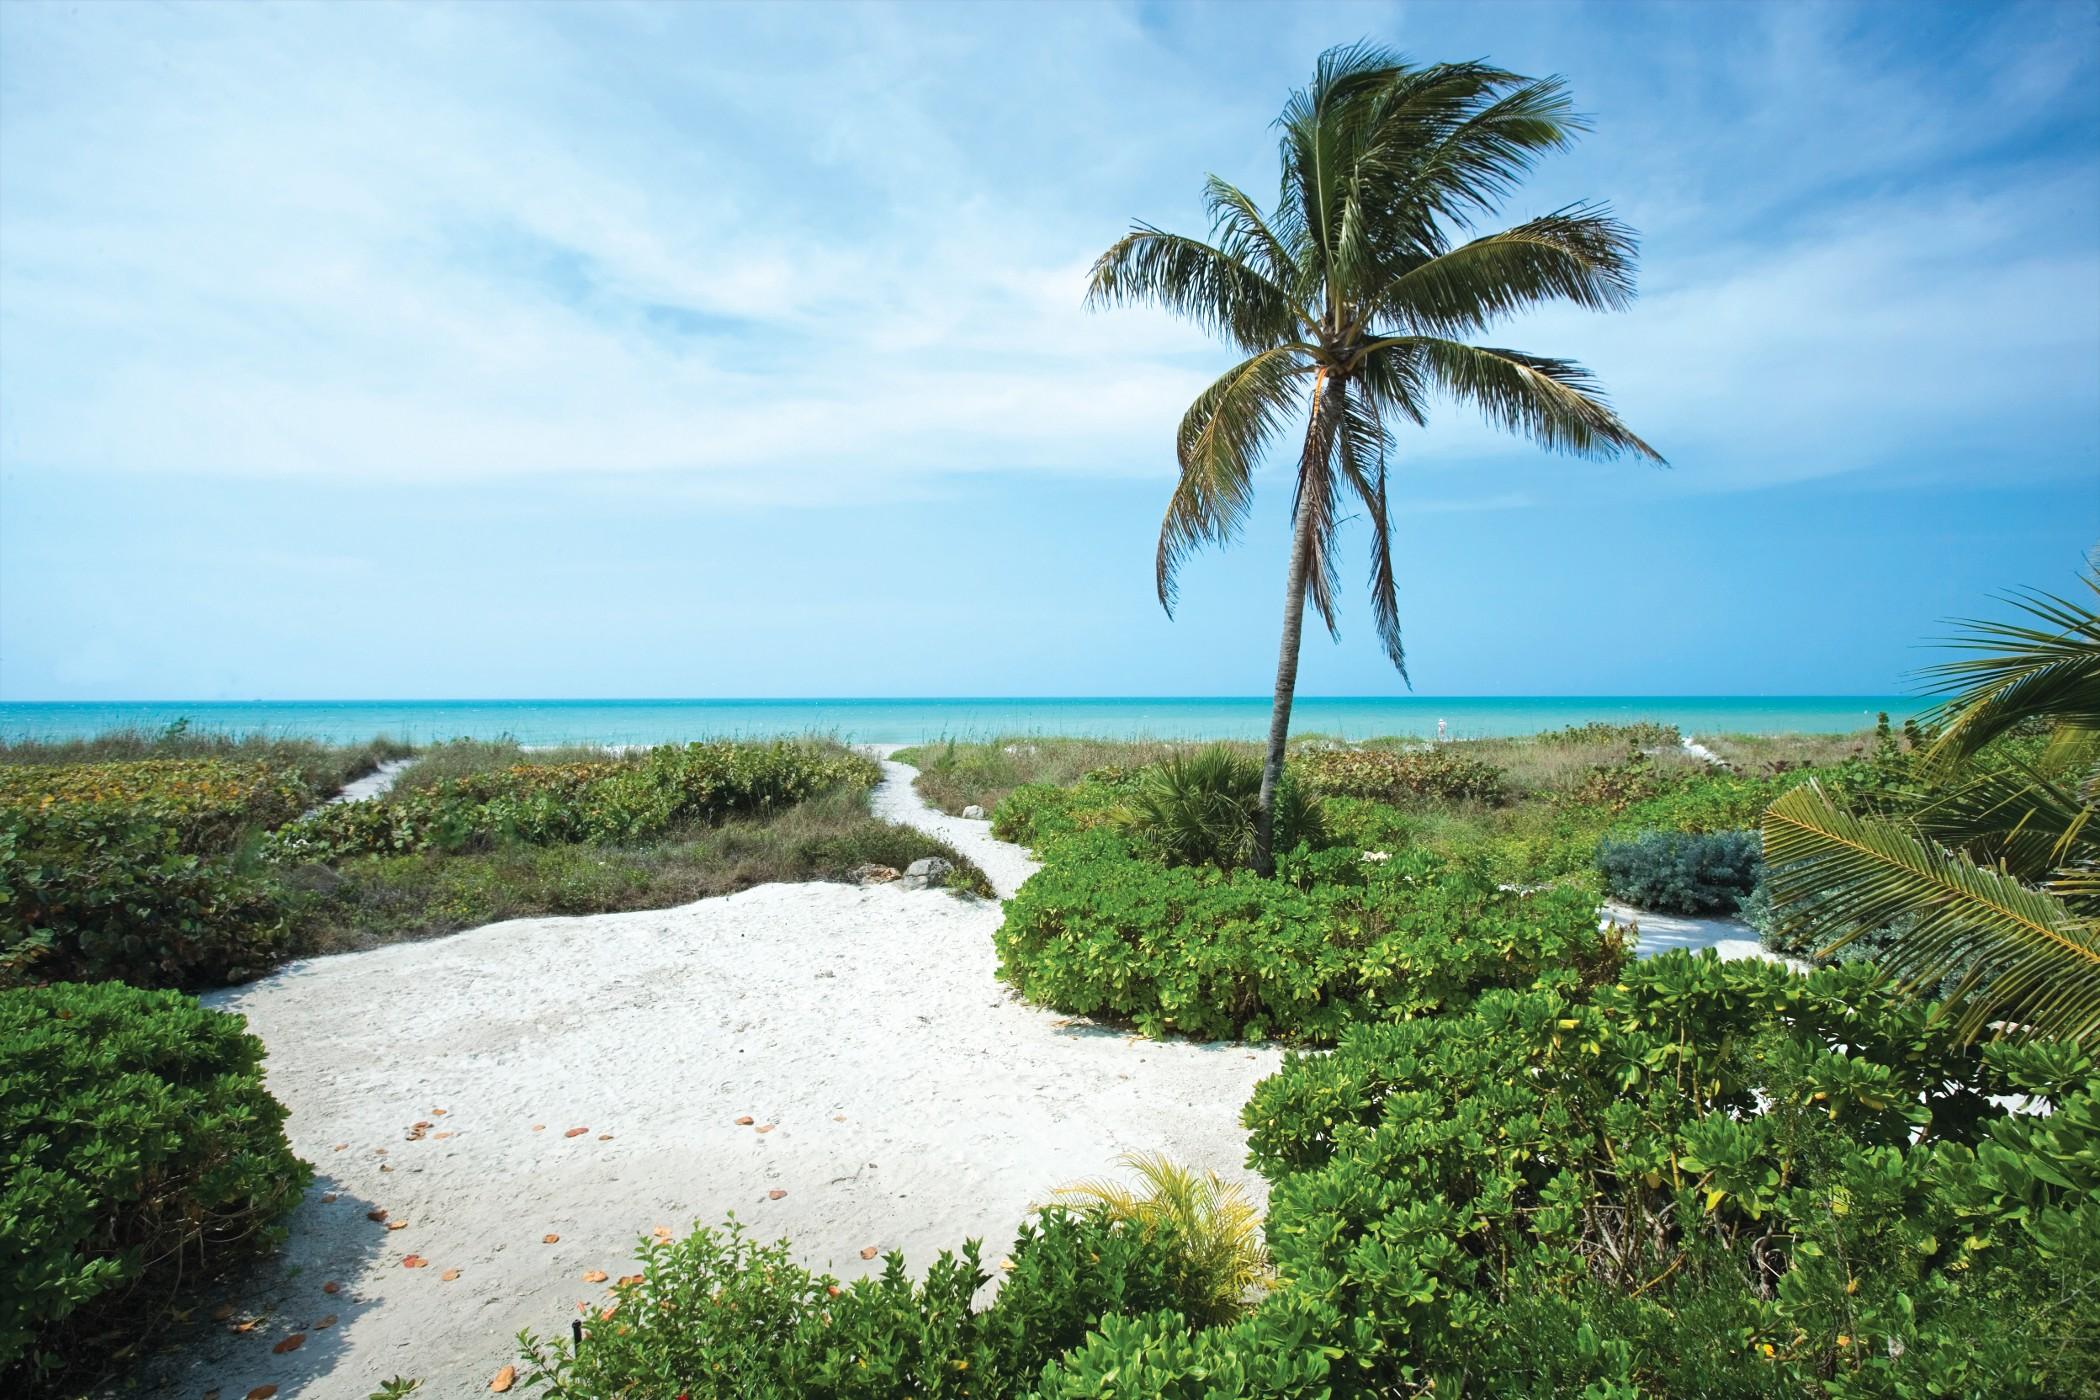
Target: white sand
(916, 1103)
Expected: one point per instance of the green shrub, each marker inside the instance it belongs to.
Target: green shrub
(610, 802)
(1439, 772)
(1707, 1179)
(321, 768)
(142, 1154)
(1201, 808)
(1037, 813)
(91, 890)
(718, 1315)
(1100, 931)
(1683, 872)
(209, 804)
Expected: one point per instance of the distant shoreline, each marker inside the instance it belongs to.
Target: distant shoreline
(910, 721)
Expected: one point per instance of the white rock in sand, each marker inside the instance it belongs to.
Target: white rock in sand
(926, 872)
(973, 812)
(860, 1025)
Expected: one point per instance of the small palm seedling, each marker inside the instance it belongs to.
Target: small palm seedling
(1218, 1227)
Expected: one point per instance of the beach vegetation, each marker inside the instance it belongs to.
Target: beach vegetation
(957, 773)
(321, 768)
(1444, 772)
(1675, 872)
(1339, 935)
(1214, 1223)
(1199, 807)
(143, 1157)
(1971, 865)
(720, 1316)
(1353, 300)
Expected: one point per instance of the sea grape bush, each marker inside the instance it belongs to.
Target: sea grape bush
(142, 1154)
(612, 802)
(1702, 1179)
(92, 890)
(1641, 734)
(1402, 775)
(1337, 937)
(1683, 872)
(1035, 814)
(207, 803)
(718, 1315)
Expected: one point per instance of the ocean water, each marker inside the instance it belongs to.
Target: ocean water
(914, 721)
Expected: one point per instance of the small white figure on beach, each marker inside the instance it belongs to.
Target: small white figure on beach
(1440, 731)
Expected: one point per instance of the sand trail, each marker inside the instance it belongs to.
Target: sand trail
(912, 1102)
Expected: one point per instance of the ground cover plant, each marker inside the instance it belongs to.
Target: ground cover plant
(1701, 1179)
(1191, 950)
(143, 1155)
(323, 768)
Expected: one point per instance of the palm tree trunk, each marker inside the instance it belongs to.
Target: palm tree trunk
(1286, 689)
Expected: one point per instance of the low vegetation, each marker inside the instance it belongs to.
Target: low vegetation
(718, 1316)
(320, 768)
(143, 1156)
(1679, 872)
(954, 773)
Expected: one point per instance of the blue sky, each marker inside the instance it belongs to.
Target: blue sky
(645, 350)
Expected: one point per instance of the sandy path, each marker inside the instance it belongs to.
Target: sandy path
(375, 783)
(915, 1103)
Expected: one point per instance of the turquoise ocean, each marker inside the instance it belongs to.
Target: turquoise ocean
(915, 721)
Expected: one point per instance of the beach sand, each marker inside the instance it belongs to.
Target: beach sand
(912, 1101)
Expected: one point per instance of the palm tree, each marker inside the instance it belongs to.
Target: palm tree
(1994, 881)
(1346, 299)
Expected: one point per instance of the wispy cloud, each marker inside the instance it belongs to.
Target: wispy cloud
(778, 254)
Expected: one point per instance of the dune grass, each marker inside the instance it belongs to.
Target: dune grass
(954, 773)
(462, 758)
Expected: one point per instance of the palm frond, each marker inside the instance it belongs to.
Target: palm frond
(1243, 233)
(2021, 955)
(1221, 440)
(1556, 403)
(2015, 816)
(2050, 671)
(1190, 278)
(1578, 254)
(1361, 448)
(1317, 494)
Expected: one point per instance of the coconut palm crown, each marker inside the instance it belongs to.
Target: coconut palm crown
(1353, 300)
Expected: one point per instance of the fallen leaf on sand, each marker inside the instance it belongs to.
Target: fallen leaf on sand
(504, 1379)
(397, 1224)
(415, 1261)
(328, 1198)
(291, 1343)
(331, 1287)
(437, 1113)
(550, 1239)
(539, 1127)
(765, 1127)
(605, 1137)
(248, 1326)
(746, 1121)
(576, 1132)
(870, 1252)
(262, 1392)
(435, 1136)
(222, 1312)
(629, 1280)
(342, 1147)
(448, 1276)
(384, 1167)
(775, 1194)
(325, 1323)
(594, 1276)
(838, 1117)
(607, 1314)
(1006, 1265)
(211, 1395)
(662, 1232)
(379, 1214)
